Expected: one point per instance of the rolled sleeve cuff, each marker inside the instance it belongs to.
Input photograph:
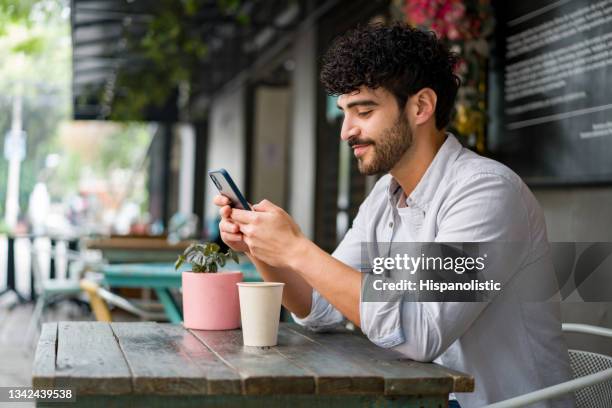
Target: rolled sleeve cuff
(381, 323)
(322, 315)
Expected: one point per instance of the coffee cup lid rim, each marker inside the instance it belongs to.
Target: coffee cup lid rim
(260, 284)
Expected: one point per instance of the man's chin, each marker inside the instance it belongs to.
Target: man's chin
(366, 168)
(370, 166)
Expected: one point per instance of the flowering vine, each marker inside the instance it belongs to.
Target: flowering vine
(466, 26)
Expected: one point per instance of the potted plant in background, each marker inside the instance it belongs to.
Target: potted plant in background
(210, 296)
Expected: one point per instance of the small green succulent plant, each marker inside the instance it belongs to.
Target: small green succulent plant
(205, 257)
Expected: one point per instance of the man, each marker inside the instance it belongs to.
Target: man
(397, 88)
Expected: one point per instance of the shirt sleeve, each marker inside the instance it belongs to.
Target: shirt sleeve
(485, 208)
(322, 314)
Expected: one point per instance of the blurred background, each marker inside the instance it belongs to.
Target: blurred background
(112, 111)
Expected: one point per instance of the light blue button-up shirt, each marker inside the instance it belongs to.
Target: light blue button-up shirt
(511, 347)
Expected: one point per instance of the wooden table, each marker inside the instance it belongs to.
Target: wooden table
(164, 365)
(119, 249)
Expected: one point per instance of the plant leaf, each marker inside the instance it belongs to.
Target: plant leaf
(189, 249)
(207, 250)
(179, 262)
(205, 257)
(232, 254)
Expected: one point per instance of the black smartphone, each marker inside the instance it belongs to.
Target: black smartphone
(226, 186)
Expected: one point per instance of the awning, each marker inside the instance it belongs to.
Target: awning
(108, 50)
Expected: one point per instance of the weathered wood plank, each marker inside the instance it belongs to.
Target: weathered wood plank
(263, 370)
(334, 373)
(89, 359)
(157, 360)
(401, 376)
(461, 382)
(160, 359)
(221, 378)
(43, 370)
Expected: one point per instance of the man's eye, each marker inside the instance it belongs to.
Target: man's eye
(364, 114)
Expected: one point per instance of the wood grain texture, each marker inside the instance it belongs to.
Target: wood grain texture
(461, 381)
(221, 379)
(43, 370)
(158, 362)
(137, 243)
(148, 359)
(263, 371)
(89, 359)
(401, 376)
(334, 373)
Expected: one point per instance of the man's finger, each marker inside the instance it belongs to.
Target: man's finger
(221, 200)
(228, 236)
(246, 229)
(243, 216)
(228, 226)
(225, 211)
(264, 205)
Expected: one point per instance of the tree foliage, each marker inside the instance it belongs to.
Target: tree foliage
(34, 61)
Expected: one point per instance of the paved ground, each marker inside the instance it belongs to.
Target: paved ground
(16, 352)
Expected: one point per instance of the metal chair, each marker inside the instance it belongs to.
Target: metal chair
(592, 383)
(52, 290)
(98, 305)
(100, 299)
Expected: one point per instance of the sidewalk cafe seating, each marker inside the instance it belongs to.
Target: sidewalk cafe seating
(52, 290)
(592, 383)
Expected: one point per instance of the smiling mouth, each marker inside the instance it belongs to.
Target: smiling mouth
(360, 149)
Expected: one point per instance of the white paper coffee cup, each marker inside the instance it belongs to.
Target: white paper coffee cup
(260, 305)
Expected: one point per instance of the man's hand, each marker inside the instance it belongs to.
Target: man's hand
(270, 233)
(230, 232)
(283, 254)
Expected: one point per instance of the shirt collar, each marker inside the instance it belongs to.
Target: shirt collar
(427, 186)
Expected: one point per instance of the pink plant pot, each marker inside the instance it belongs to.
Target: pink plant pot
(210, 300)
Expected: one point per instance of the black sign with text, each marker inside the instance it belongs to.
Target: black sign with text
(551, 90)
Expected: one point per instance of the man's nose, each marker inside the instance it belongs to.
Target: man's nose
(349, 130)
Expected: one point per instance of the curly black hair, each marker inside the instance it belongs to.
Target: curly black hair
(397, 57)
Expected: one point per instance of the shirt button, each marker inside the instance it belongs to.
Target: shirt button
(391, 224)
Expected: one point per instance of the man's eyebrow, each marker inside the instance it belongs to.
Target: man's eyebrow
(359, 102)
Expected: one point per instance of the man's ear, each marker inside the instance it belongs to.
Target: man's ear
(423, 106)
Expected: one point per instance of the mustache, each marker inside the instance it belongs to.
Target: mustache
(353, 142)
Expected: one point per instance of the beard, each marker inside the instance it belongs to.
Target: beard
(387, 150)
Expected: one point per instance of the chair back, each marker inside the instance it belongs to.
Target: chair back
(585, 363)
(36, 267)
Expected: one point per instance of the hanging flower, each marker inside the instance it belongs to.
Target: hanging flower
(465, 26)
(442, 16)
(453, 20)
